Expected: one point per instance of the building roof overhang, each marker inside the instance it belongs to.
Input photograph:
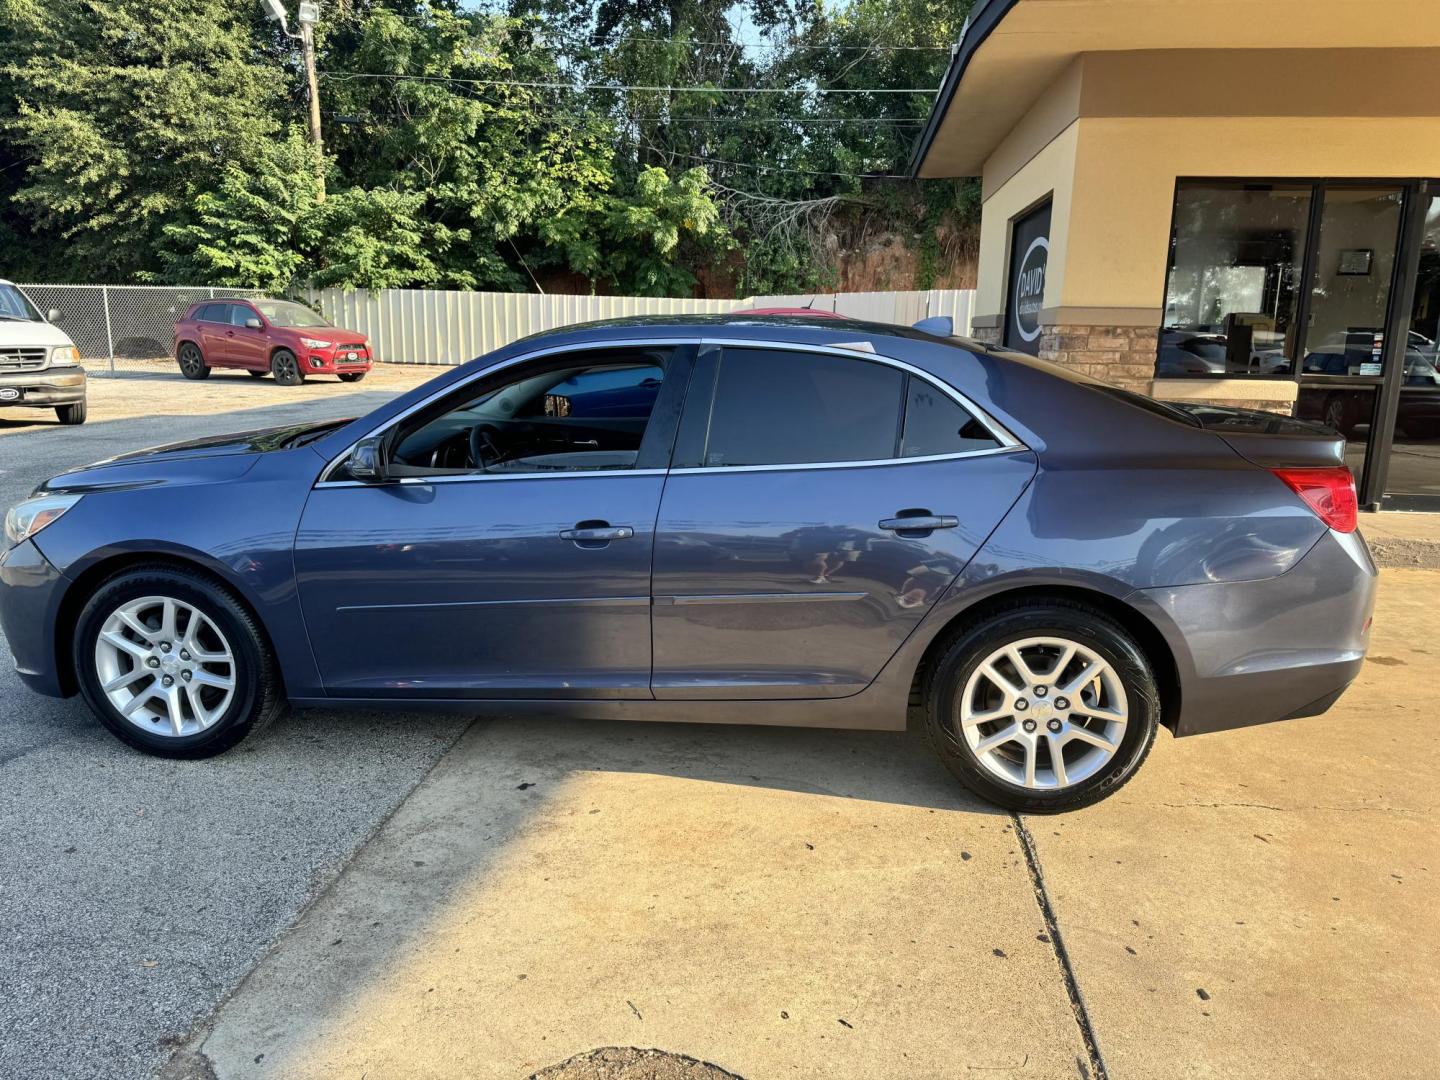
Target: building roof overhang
(1012, 50)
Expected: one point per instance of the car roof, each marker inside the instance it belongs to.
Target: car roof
(813, 327)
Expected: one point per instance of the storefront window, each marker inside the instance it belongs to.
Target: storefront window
(1350, 281)
(1234, 281)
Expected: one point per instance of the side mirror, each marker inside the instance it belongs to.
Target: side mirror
(253, 323)
(367, 461)
(53, 315)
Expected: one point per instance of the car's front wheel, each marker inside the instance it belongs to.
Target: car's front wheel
(71, 414)
(1043, 707)
(351, 376)
(286, 368)
(192, 362)
(173, 664)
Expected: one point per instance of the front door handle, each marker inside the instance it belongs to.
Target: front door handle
(596, 534)
(912, 523)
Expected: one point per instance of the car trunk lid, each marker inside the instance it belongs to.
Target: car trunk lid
(1268, 439)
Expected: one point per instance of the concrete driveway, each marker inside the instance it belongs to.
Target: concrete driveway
(779, 903)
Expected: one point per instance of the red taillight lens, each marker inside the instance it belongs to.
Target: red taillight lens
(1330, 492)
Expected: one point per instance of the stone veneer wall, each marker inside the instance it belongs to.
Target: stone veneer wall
(1122, 356)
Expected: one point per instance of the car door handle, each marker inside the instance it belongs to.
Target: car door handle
(596, 534)
(919, 523)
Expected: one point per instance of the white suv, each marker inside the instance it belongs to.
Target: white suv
(39, 364)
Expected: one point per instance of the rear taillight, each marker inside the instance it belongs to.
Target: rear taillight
(1330, 492)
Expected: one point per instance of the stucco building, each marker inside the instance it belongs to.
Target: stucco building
(1219, 200)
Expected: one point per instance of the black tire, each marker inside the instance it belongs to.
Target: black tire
(947, 679)
(71, 414)
(192, 362)
(351, 376)
(258, 699)
(286, 368)
(256, 374)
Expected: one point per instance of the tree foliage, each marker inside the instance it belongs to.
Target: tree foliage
(464, 148)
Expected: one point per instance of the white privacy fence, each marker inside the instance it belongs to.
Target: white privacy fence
(118, 326)
(422, 326)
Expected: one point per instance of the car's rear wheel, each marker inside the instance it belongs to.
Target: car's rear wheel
(1045, 706)
(192, 362)
(351, 376)
(173, 664)
(71, 414)
(286, 368)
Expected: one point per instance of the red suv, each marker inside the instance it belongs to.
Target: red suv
(284, 338)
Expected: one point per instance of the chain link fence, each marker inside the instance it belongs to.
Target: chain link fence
(122, 327)
(131, 328)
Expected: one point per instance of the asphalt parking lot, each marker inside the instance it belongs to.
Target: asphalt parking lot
(412, 895)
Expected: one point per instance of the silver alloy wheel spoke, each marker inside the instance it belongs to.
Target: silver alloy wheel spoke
(1068, 699)
(165, 666)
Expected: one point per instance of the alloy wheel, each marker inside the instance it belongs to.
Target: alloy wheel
(1043, 712)
(165, 666)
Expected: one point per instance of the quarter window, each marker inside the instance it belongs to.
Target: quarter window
(935, 423)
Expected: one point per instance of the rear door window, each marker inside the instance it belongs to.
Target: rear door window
(773, 407)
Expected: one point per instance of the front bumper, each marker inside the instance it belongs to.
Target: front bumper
(336, 361)
(30, 591)
(42, 389)
(1250, 652)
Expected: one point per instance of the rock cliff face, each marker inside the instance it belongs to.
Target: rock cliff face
(867, 261)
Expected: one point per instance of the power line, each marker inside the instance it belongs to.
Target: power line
(345, 76)
(780, 168)
(739, 120)
(781, 46)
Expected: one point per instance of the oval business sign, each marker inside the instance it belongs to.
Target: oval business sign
(1030, 289)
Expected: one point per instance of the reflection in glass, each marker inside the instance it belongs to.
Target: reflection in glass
(1415, 456)
(1350, 282)
(1350, 410)
(1232, 287)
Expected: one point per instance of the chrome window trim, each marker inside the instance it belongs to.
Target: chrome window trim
(1008, 442)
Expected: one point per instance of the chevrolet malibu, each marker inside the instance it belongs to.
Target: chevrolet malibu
(733, 520)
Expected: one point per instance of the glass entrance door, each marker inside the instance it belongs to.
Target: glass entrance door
(1343, 358)
(1412, 476)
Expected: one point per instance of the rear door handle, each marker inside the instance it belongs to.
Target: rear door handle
(596, 534)
(919, 523)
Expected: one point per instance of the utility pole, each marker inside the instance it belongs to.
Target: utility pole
(309, 15)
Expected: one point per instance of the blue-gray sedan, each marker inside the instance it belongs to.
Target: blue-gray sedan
(736, 520)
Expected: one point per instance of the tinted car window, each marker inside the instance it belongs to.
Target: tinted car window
(936, 423)
(790, 408)
(584, 418)
(210, 313)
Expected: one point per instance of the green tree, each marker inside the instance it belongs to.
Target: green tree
(116, 114)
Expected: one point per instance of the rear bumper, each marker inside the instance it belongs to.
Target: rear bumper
(44, 388)
(1252, 652)
(30, 592)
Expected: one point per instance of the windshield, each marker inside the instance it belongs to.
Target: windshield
(284, 313)
(16, 306)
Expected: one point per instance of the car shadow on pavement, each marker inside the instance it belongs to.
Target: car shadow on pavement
(580, 868)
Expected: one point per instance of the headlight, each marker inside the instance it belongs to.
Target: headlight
(311, 343)
(65, 354)
(32, 515)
